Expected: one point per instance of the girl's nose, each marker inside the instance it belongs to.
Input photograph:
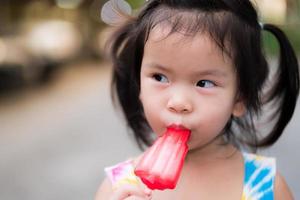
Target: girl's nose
(179, 104)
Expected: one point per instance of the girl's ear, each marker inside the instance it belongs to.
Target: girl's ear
(239, 108)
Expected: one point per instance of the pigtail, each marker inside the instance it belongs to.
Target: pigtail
(117, 40)
(126, 48)
(286, 88)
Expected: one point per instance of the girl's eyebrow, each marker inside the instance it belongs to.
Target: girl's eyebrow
(157, 66)
(206, 72)
(212, 72)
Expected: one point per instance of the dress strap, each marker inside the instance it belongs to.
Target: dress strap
(259, 177)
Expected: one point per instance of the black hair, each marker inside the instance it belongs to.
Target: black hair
(234, 26)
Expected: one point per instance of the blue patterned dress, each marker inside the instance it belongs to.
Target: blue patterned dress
(259, 177)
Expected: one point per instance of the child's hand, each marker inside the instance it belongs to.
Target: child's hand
(123, 192)
(122, 184)
(131, 192)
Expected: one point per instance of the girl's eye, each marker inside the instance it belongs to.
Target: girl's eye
(206, 84)
(160, 78)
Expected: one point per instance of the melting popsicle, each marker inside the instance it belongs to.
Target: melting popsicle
(160, 166)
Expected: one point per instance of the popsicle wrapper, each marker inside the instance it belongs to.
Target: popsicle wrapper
(121, 174)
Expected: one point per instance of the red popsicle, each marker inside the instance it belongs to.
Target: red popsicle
(160, 166)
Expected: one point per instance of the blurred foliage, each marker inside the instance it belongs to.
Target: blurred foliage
(293, 34)
(135, 4)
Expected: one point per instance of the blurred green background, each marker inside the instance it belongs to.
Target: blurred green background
(289, 22)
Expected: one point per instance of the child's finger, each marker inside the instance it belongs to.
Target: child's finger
(127, 191)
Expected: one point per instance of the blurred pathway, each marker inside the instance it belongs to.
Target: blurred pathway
(55, 140)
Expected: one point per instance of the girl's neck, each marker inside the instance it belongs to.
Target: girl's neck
(212, 153)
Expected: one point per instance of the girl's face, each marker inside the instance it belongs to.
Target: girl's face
(189, 82)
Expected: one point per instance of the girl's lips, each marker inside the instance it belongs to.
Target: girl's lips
(178, 127)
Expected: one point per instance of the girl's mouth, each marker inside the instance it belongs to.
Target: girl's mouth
(178, 127)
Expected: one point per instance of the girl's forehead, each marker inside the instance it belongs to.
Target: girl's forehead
(178, 48)
(162, 35)
(188, 25)
(166, 28)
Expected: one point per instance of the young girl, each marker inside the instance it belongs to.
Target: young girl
(199, 64)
